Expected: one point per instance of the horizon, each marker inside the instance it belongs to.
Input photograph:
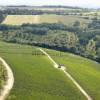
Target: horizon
(72, 3)
(10, 5)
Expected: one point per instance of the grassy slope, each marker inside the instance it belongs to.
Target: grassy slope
(35, 77)
(85, 71)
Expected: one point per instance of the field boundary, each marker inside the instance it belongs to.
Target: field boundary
(10, 81)
(68, 75)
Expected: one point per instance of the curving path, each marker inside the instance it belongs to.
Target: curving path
(68, 75)
(10, 81)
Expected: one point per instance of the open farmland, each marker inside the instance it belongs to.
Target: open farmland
(85, 71)
(20, 19)
(35, 76)
(36, 19)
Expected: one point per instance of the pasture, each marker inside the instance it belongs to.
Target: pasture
(85, 71)
(35, 76)
(37, 19)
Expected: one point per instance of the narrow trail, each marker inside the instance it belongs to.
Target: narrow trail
(10, 81)
(68, 75)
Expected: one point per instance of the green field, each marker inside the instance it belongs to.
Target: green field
(85, 71)
(35, 76)
(37, 19)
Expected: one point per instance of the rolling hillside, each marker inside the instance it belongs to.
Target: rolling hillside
(85, 71)
(35, 76)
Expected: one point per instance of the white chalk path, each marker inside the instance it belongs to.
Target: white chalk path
(10, 81)
(68, 75)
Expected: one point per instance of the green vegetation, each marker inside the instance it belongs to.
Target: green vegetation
(74, 30)
(35, 76)
(84, 41)
(39, 10)
(3, 75)
(2, 17)
(85, 71)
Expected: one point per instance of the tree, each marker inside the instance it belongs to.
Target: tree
(76, 24)
(91, 47)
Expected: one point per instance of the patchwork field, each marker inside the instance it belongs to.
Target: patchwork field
(35, 76)
(36, 19)
(85, 71)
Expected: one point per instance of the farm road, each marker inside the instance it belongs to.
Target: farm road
(10, 81)
(68, 75)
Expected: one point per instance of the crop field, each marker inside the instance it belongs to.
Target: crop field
(20, 19)
(37, 19)
(68, 20)
(85, 71)
(35, 76)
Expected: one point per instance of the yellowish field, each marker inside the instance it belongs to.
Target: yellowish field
(36, 19)
(20, 19)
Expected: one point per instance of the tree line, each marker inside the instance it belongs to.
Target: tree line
(75, 39)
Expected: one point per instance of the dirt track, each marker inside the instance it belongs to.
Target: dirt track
(10, 81)
(68, 75)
